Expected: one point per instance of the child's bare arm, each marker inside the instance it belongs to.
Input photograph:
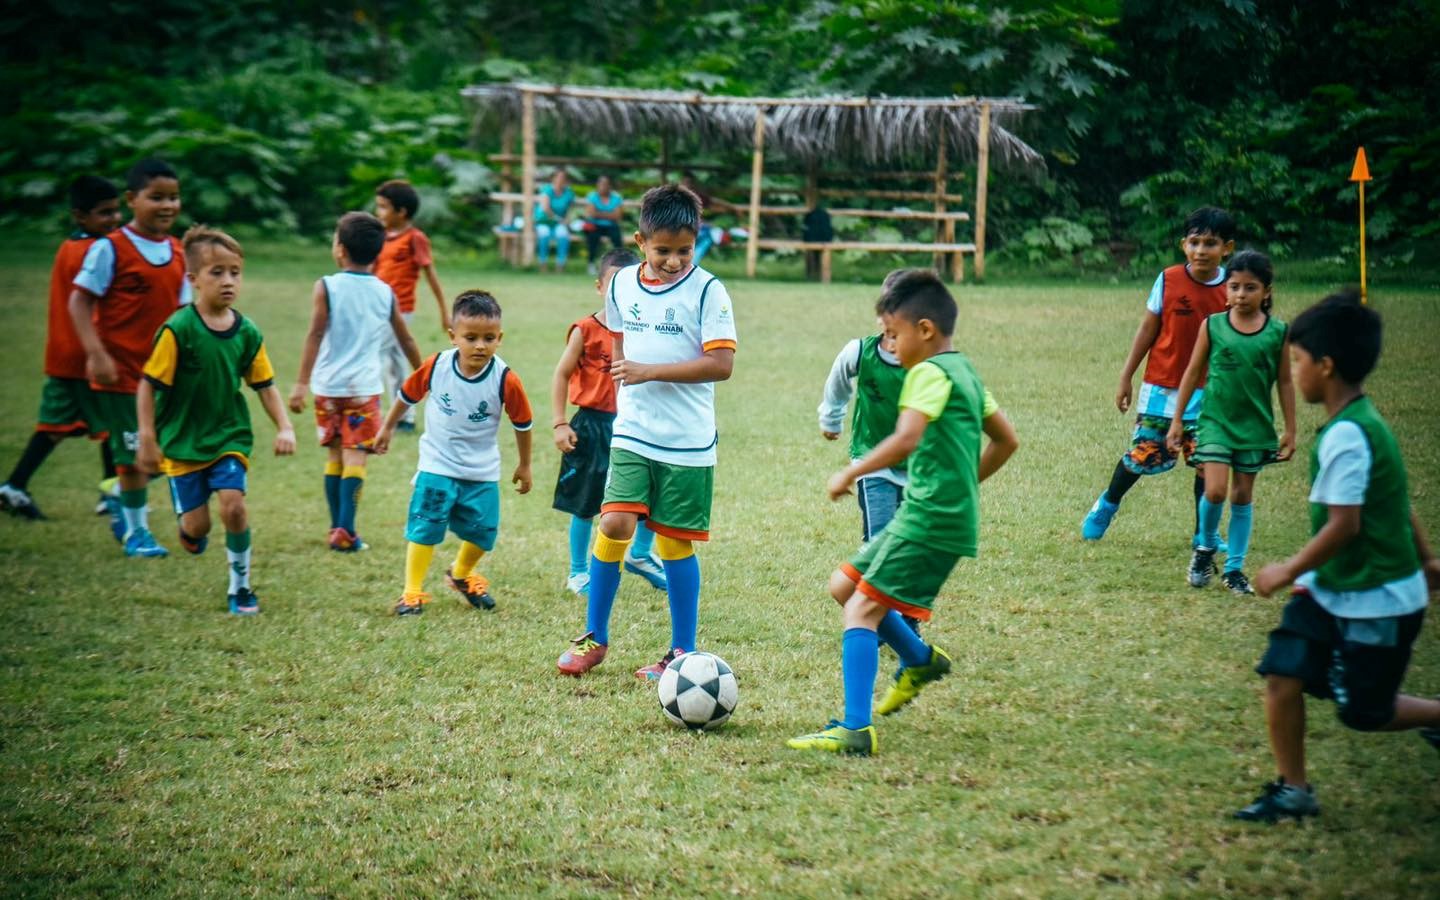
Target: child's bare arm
(909, 428)
(319, 321)
(1339, 529)
(1199, 364)
(433, 279)
(559, 389)
(147, 454)
(1286, 386)
(99, 365)
(1003, 442)
(275, 409)
(712, 365)
(1428, 563)
(522, 478)
(406, 339)
(1144, 339)
(387, 429)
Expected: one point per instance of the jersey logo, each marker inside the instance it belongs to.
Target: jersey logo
(445, 406)
(635, 310)
(1226, 360)
(669, 326)
(481, 413)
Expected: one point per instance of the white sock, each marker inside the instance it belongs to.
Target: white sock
(239, 563)
(135, 517)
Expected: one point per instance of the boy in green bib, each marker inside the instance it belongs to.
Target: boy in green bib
(1245, 352)
(1362, 581)
(194, 422)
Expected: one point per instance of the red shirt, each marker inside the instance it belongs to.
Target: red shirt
(400, 262)
(590, 384)
(141, 297)
(64, 355)
(1184, 305)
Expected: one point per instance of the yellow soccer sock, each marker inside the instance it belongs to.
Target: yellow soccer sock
(673, 548)
(333, 467)
(417, 562)
(466, 559)
(610, 551)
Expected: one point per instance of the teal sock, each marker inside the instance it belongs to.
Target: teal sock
(644, 541)
(332, 498)
(349, 500)
(1242, 520)
(237, 555)
(580, 544)
(1210, 523)
(132, 507)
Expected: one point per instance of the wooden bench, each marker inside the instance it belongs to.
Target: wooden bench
(826, 250)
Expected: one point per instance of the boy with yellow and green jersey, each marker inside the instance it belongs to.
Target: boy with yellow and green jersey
(937, 433)
(1362, 581)
(194, 424)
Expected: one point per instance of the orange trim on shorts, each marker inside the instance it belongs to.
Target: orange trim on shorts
(884, 599)
(639, 509)
(679, 534)
(851, 572)
(75, 428)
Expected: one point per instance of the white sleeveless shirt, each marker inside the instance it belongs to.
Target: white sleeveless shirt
(356, 332)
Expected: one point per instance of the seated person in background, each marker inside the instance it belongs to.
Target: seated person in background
(602, 218)
(552, 207)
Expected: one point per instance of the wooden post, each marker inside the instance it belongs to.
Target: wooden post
(814, 266)
(938, 260)
(527, 177)
(664, 158)
(507, 185)
(757, 171)
(982, 180)
(825, 265)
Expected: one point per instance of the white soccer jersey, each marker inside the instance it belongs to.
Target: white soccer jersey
(660, 420)
(348, 364)
(462, 415)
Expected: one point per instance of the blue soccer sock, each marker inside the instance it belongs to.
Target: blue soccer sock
(351, 481)
(896, 632)
(1210, 522)
(859, 664)
(1242, 520)
(332, 491)
(604, 582)
(644, 542)
(682, 585)
(580, 544)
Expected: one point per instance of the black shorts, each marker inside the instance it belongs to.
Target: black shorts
(581, 485)
(1358, 663)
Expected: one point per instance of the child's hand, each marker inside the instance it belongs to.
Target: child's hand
(829, 435)
(565, 438)
(1270, 579)
(1122, 395)
(297, 398)
(1431, 568)
(382, 441)
(522, 478)
(627, 371)
(839, 484)
(285, 442)
(1287, 446)
(147, 455)
(1175, 436)
(100, 367)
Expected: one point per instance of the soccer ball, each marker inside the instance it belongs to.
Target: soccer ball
(698, 690)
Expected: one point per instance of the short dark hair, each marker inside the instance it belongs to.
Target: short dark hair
(198, 237)
(918, 294)
(146, 171)
(671, 207)
(362, 236)
(1343, 329)
(1211, 220)
(475, 304)
(89, 191)
(618, 258)
(401, 194)
(1258, 264)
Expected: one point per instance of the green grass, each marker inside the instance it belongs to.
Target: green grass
(1101, 722)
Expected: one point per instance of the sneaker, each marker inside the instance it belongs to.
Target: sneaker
(584, 654)
(411, 603)
(648, 568)
(1098, 519)
(836, 738)
(1280, 800)
(405, 427)
(653, 671)
(18, 502)
(244, 603)
(342, 541)
(1202, 566)
(193, 546)
(578, 584)
(110, 496)
(474, 588)
(141, 542)
(102, 506)
(911, 679)
(1222, 547)
(1236, 581)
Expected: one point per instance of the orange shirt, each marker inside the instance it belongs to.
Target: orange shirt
(400, 262)
(590, 383)
(141, 297)
(64, 355)
(1184, 306)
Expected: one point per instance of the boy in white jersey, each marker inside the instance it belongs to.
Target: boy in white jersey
(458, 482)
(355, 316)
(674, 338)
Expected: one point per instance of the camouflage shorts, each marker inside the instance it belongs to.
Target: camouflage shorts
(1148, 454)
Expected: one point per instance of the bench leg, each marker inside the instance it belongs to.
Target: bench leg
(957, 268)
(825, 266)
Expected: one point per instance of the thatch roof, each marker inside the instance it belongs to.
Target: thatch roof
(869, 130)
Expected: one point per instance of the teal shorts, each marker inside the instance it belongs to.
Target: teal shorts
(1246, 461)
(899, 573)
(674, 500)
(470, 509)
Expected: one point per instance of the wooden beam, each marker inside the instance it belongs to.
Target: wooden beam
(596, 162)
(888, 195)
(527, 178)
(698, 99)
(938, 261)
(507, 185)
(873, 246)
(982, 188)
(757, 172)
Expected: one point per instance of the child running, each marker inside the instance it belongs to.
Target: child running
(674, 338)
(902, 570)
(66, 408)
(354, 318)
(458, 482)
(1242, 355)
(129, 284)
(194, 421)
(583, 373)
(1362, 582)
(1180, 300)
(405, 257)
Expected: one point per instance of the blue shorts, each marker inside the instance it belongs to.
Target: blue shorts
(193, 489)
(471, 509)
(879, 499)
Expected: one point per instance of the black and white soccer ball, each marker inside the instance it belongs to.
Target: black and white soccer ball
(698, 690)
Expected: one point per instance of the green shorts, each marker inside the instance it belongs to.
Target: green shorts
(1247, 461)
(901, 574)
(675, 500)
(116, 414)
(66, 408)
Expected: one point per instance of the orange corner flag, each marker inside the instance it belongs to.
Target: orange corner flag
(1361, 171)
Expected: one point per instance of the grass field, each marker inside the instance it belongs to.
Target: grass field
(1101, 724)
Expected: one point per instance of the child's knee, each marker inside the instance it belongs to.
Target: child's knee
(618, 526)
(841, 587)
(1363, 717)
(196, 522)
(1283, 687)
(232, 510)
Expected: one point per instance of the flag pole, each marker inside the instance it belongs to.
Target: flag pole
(1360, 173)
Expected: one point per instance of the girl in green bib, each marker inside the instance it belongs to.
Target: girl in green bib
(1241, 355)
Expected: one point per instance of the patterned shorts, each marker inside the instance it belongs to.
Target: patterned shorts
(1148, 454)
(353, 421)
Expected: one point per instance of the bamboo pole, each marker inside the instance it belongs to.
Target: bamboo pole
(982, 187)
(888, 195)
(814, 266)
(527, 178)
(757, 171)
(699, 99)
(938, 260)
(507, 172)
(664, 158)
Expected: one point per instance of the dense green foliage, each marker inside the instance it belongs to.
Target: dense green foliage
(284, 114)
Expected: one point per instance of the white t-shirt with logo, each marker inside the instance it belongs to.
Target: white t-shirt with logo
(462, 415)
(660, 420)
